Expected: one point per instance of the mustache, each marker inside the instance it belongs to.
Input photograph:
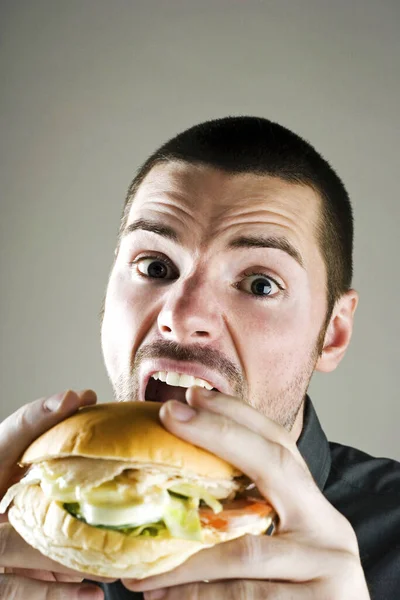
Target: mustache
(207, 357)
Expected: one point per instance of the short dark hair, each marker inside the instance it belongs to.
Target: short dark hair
(256, 145)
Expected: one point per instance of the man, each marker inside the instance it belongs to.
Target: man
(234, 263)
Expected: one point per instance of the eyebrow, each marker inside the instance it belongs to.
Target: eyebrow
(253, 241)
(148, 225)
(262, 241)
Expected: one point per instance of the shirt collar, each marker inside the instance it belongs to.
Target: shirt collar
(314, 446)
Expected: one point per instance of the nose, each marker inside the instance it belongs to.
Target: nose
(191, 312)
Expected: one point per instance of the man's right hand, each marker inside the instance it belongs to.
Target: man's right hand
(25, 573)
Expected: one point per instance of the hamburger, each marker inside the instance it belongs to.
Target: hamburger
(110, 492)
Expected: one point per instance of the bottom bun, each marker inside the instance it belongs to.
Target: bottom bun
(45, 525)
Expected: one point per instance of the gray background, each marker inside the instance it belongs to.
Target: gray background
(90, 87)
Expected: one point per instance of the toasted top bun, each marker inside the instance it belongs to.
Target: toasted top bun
(125, 431)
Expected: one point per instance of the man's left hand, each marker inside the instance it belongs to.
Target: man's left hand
(314, 554)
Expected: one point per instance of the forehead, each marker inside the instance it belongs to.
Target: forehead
(214, 202)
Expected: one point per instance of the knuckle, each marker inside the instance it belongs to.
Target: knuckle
(285, 456)
(50, 593)
(21, 419)
(346, 535)
(345, 572)
(350, 567)
(241, 591)
(224, 426)
(351, 536)
(24, 419)
(250, 549)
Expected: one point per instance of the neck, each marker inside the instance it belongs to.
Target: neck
(298, 424)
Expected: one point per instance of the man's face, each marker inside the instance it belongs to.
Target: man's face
(230, 288)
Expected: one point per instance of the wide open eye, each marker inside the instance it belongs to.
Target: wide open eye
(260, 285)
(154, 267)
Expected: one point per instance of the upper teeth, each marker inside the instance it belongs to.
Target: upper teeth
(181, 379)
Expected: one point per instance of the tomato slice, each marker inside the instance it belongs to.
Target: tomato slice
(233, 512)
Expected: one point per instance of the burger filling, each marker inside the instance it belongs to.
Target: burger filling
(145, 501)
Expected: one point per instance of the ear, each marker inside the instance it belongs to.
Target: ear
(338, 333)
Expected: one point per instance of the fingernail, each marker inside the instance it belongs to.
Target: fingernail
(90, 592)
(155, 594)
(88, 396)
(54, 403)
(180, 411)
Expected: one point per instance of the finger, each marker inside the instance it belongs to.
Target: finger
(19, 430)
(239, 411)
(44, 575)
(281, 480)
(16, 553)
(236, 590)
(247, 557)
(245, 415)
(21, 588)
(65, 578)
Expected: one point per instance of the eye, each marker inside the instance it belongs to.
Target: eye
(154, 267)
(261, 285)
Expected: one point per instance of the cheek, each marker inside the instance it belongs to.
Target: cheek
(279, 340)
(126, 310)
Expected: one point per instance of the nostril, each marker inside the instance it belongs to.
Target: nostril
(165, 329)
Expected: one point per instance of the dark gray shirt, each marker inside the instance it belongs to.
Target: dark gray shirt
(366, 490)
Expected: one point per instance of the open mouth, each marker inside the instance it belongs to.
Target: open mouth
(158, 390)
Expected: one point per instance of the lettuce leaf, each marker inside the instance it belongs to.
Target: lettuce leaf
(191, 490)
(73, 509)
(182, 519)
(148, 530)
